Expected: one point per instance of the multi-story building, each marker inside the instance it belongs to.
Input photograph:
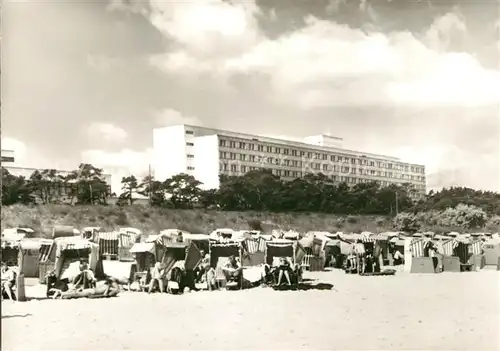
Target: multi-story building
(205, 153)
(7, 156)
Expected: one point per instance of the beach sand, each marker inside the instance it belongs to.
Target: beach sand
(448, 311)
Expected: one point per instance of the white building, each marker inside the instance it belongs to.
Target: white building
(205, 153)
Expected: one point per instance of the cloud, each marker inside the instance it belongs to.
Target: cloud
(169, 117)
(119, 164)
(30, 156)
(107, 131)
(324, 63)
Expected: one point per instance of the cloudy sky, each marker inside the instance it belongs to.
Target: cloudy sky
(87, 81)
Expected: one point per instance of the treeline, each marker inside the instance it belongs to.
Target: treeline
(83, 186)
(256, 191)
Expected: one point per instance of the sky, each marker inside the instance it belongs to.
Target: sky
(87, 81)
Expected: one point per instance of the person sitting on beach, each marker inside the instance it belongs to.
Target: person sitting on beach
(8, 280)
(158, 276)
(111, 286)
(232, 270)
(55, 285)
(85, 279)
(180, 238)
(203, 267)
(398, 257)
(284, 269)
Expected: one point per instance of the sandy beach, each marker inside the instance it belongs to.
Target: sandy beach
(448, 311)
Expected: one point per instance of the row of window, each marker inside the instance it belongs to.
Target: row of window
(317, 155)
(316, 166)
(224, 167)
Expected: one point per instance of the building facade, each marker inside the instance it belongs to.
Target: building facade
(205, 153)
(7, 156)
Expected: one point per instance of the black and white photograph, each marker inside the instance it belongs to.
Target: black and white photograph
(250, 174)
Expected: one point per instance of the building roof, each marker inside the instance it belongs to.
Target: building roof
(305, 145)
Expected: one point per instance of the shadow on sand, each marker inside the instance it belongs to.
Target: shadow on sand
(17, 316)
(304, 287)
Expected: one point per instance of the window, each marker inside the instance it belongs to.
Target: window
(232, 156)
(286, 151)
(345, 169)
(189, 144)
(325, 157)
(353, 170)
(189, 132)
(286, 173)
(260, 147)
(251, 147)
(233, 168)
(243, 157)
(336, 168)
(242, 145)
(190, 168)
(269, 149)
(232, 144)
(309, 155)
(294, 153)
(222, 142)
(252, 158)
(278, 150)
(325, 168)
(372, 163)
(243, 169)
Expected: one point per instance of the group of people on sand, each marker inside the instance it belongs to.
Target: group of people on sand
(179, 278)
(84, 284)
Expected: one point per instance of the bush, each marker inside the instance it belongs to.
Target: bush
(406, 222)
(463, 216)
(352, 220)
(493, 224)
(255, 224)
(380, 221)
(121, 219)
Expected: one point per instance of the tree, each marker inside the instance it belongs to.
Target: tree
(46, 185)
(91, 187)
(129, 189)
(15, 190)
(153, 189)
(182, 190)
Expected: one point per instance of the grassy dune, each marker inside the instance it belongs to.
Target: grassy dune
(150, 220)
